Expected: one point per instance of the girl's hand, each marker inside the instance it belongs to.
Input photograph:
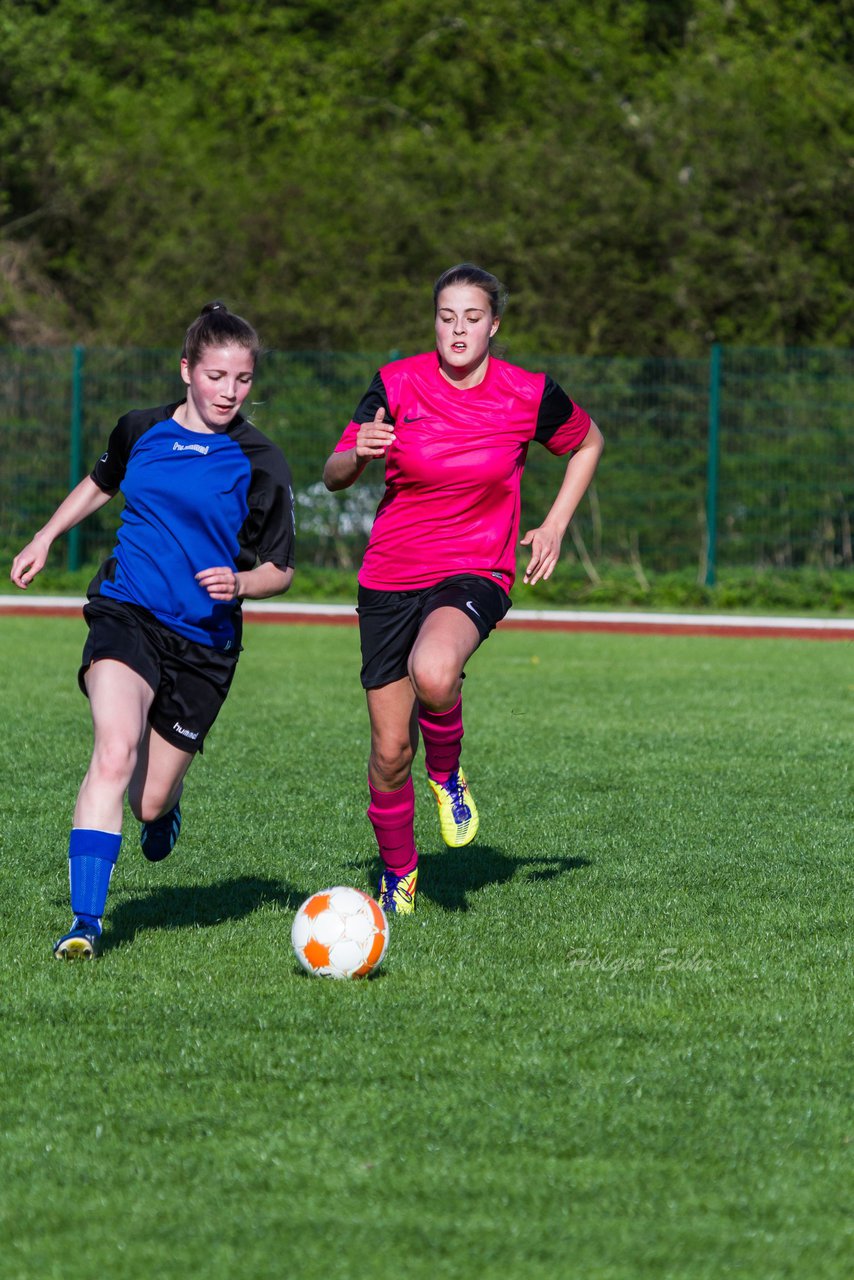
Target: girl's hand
(29, 562)
(545, 549)
(221, 583)
(375, 438)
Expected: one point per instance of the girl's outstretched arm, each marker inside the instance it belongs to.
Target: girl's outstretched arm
(83, 500)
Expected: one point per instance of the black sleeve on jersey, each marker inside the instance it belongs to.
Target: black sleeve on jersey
(267, 535)
(109, 471)
(556, 408)
(374, 398)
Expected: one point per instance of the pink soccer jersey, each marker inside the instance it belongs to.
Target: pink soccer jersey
(452, 480)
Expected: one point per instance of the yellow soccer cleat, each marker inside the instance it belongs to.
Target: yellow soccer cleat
(80, 943)
(458, 818)
(396, 894)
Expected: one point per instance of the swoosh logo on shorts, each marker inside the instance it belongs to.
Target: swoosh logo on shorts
(470, 605)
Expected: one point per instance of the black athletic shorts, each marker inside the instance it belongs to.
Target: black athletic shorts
(190, 681)
(389, 621)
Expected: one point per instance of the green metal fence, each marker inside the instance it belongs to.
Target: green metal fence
(741, 459)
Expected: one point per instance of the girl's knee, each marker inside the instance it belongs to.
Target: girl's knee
(391, 763)
(146, 810)
(435, 689)
(113, 764)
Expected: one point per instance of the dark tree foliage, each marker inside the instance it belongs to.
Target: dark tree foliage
(647, 177)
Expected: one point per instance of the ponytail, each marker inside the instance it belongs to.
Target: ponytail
(216, 326)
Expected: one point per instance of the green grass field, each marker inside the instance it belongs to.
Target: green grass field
(615, 1043)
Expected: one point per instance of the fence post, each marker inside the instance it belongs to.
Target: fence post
(712, 463)
(75, 462)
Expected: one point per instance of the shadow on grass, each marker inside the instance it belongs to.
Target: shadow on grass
(451, 876)
(197, 906)
(448, 878)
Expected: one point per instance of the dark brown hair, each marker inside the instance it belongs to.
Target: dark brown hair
(468, 273)
(216, 326)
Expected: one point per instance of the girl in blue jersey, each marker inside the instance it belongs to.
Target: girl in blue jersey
(207, 522)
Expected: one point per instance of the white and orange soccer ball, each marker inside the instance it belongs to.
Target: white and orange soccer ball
(340, 933)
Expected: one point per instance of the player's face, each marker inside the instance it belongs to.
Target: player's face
(217, 385)
(464, 326)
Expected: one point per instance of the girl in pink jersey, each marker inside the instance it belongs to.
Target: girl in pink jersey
(452, 428)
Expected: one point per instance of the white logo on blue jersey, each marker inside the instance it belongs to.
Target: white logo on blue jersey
(193, 448)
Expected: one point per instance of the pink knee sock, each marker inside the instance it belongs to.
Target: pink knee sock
(392, 814)
(442, 733)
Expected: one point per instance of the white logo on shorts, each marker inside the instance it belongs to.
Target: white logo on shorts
(470, 605)
(185, 733)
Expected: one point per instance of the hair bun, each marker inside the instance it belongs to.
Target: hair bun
(216, 326)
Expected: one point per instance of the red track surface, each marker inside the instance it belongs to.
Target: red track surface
(620, 624)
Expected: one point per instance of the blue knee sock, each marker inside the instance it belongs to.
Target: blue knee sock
(91, 858)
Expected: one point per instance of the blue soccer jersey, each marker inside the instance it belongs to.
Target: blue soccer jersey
(193, 501)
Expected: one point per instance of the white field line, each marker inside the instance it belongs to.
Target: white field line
(572, 617)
